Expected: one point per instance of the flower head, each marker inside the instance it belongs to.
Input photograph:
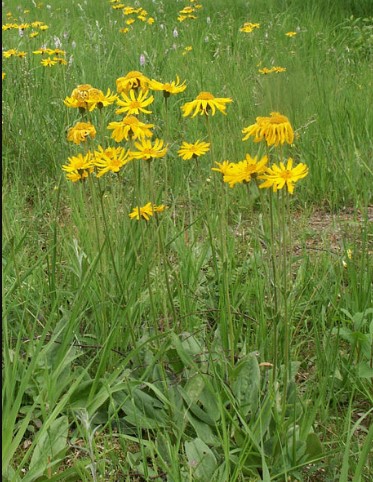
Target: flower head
(205, 103)
(147, 151)
(88, 98)
(168, 88)
(134, 105)
(79, 167)
(280, 176)
(291, 34)
(130, 128)
(275, 130)
(80, 132)
(111, 159)
(48, 62)
(97, 98)
(133, 80)
(266, 70)
(145, 212)
(249, 27)
(223, 167)
(245, 170)
(189, 151)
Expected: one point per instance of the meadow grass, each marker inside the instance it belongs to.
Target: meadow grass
(228, 338)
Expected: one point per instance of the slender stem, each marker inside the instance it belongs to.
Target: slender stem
(285, 295)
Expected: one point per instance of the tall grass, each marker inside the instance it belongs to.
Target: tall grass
(199, 345)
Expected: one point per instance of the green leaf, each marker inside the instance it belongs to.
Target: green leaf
(50, 445)
(364, 370)
(246, 384)
(203, 431)
(201, 459)
(314, 447)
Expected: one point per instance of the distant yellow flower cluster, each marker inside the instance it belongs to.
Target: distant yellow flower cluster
(249, 27)
(132, 14)
(272, 70)
(189, 12)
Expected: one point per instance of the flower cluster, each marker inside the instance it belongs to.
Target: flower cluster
(275, 130)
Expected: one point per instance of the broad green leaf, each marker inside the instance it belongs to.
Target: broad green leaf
(51, 444)
(314, 447)
(246, 384)
(201, 459)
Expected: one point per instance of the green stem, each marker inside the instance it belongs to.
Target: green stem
(285, 295)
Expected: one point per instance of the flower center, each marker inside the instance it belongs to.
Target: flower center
(286, 174)
(130, 120)
(277, 118)
(205, 96)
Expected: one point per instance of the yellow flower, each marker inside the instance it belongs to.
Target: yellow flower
(173, 87)
(79, 96)
(146, 150)
(80, 132)
(204, 103)
(265, 70)
(133, 80)
(33, 34)
(96, 98)
(223, 167)
(79, 167)
(189, 151)
(245, 170)
(88, 98)
(21, 54)
(275, 130)
(187, 49)
(280, 176)
(249, 27)
(291, 34)
(48, 62)
(130, 128)
(3, 74)
(134, 105)
(111, 159)
(10, 53)
(146, 211)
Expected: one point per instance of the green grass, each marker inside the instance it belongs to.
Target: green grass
(201, 345)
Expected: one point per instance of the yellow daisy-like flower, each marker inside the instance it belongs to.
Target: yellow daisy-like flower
(80, 132)
(111, 159)
(189, 151)
(33, 34)
(134, 105)
(249, 27)
(275, 130)
(96, 98)
(146, 212)
(130, 128)
(276, 70)
(3, 75)
(21, 54)
(88, 98)
(291, 34)
(79, 97)
(148, 151)
(187, 49)
(169, 88)
(133, 80)
(223, 167)
(205, 103)
(79, 167)
(282, 176)
(48, 62)
(245, 170)
(10, 53)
